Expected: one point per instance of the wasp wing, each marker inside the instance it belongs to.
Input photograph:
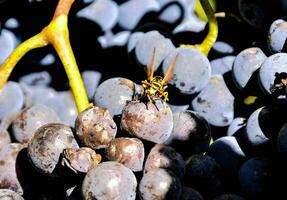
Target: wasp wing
(151, 66)
(169, 72)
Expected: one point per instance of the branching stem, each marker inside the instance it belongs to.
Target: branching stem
(57, 34)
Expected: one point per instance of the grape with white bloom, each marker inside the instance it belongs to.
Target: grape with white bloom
(7, 44)
(222, 65)
(171, 14)
(114, 94)
(190, 21)
(133, 40)
(103, 12)
(277, 35)
(159, 183)
(131, 12)
(109, 180)
(191, 72)
(222, 47)
(91, 80)
(233, 156)
(11, 99)
(36, 79)
(12, 23)
(245, 64)
(30, 119)
(109, 39)
(215, 102)
(276, 63)
(235, 125)
(145, 45)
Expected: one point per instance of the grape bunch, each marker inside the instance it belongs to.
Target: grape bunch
(143, 99)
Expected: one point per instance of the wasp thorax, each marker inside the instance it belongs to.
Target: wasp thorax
(155, 86)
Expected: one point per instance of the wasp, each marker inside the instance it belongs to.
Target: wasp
(155, 86)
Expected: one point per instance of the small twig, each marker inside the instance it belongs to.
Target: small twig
(225, 14)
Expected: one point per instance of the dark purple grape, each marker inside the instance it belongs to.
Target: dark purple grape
(152, 122)
(46, 146)
(222, 47)
(253, 177)
(72, 192)
(203, 174)
(8, 174)
(66, 107)
(263, 127)
(48, 59)
(178, 108)
(6, 194)
(8, 120)
(2, 1)
(222, 65)
(282, 140)
(228, 197)
(163, 156)
(109, 180)
(7, 44)
(274, 64)
(11, 99)
(34, 95)
(114, 94)
(30, 119)
(254, 134)
(245, 64)
(4, 137)
(80, 159)
(131, 12)
(103, 12)
(215, 102)
(146, 44)
(42, 79)
(188, 193)
(191, 22)
(127, 151)
(252, 12)
(91, 80)
(277, 35)
(114, 40)
(235, 125)
(61, 102)
(11, 23)
(190, 134)
(133, 40)
(227, 153)
(95, 127)
(159, 183)
(191, 72)
(171, 14)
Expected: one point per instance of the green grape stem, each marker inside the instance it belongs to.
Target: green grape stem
(211, 37)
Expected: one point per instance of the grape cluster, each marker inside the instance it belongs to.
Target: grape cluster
(221, 133)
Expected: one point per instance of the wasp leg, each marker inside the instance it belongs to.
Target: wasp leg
(149, 99)
(165, 95)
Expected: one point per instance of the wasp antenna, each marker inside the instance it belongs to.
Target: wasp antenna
(151, 66)
(169, 72)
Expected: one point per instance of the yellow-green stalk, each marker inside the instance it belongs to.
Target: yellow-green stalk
(57, 34)
(211, 37)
